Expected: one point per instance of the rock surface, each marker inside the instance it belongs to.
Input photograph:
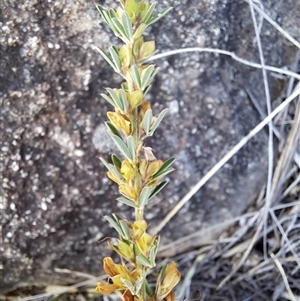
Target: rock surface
(54, 190)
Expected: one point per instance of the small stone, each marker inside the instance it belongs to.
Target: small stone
(4, 148)
(75, 191)
(44, 206)
(79, 152)
(173, 107)
(15, 166)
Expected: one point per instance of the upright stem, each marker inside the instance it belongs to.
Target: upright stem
(139, 212)
(135, 127)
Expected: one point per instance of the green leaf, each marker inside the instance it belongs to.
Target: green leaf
(164, 168)
(124, 86)
(115, 57)
(129, 285)
(123, 99)
(139, 31)
(148, 14)
(136, 76)
(127, 25)
(118, 218)
(125, 229)
(126, 241)
(131, 148)
(116, 99)
(117, 162)
(147, 76)
(106, 57)
(110, 15)
(159, 16)
(143, 260)
(106, 18)
(147, 288)
(127, 202)
(147, 121)
(157, 121)
(164, 173)
(136, 250)
(108, 99)
(112, 169)
(114, 225)
(121, 146)
(102, 13)
(157, 189)
(119, 27)
(145, 91)
(153, 251)
(161, 275)
(111, 129)
(144, 196)
(138, 284)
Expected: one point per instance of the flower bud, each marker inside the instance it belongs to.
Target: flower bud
(125, 56)
(167, 280)
(153, 167)
(127, 170)
(138, 228)
(135, 98)
(128, 192)
(144, 107)
(147, 49)
(120, 122)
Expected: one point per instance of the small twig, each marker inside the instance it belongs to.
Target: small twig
(75, 273)
(228, 53)
(283, 275)
(277, 132)
(284, 236)
(290, 187)
(270, 140)
(284, 206)
(262, 112)
(238, 235)
(288, 152)
(183, 290)
(275, 25)
(198, 238)
(287, 296)
(64, 290)
(261, 19)
(293, 221)
(253, 240)
(292, 172)
(262, 267)
(245, 256)
(294, 68)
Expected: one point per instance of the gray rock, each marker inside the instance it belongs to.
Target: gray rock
(54, 189)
